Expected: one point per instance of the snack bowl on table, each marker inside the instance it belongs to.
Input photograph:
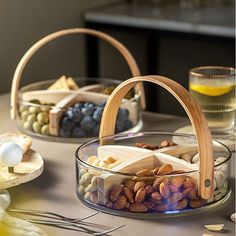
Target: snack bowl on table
(69, 109)
(153, 174)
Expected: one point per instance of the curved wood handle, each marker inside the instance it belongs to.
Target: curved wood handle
(193, 110)
(24, 60)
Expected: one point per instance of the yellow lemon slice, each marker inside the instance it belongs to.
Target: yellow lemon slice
(211, 90)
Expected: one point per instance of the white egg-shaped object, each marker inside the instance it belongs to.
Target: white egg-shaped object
(5, 199)
(11, 154)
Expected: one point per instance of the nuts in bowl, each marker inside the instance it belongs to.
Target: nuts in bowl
(125, 179)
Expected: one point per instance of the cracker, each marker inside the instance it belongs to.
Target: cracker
(60, 84)
(72, 84)
(22, 140)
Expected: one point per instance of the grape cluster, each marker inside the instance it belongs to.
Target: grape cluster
(83, 120)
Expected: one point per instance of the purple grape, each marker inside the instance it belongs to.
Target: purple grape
(78, 132)
(87, 123)
(67, 123)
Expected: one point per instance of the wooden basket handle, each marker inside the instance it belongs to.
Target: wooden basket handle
(24, 60)
(193, 110)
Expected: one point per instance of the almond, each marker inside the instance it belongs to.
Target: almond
(129, 184)
(165, 169)
(192, 194)
(188, 182)
(165, 143)
(138, 185)
(178, 172)
(164, 190)
(109, 205)
(140, 195)
(175, 197)
(177, 181)
(162, 207)
(120, 203)
(154, 171)
(116, 191)
(149, 190)
(158, 181)
(138, 207)
(144, 172)
(186, 157)
(156, 197)
(186, 191)
(173, 188)
(149, 204)
(129, 195)
(195, 203)
(179, 205)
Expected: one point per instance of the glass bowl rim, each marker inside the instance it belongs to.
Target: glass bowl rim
(28, 103)
(194, 72)
(132, 135)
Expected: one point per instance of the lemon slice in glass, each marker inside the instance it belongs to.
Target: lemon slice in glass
(211, 90)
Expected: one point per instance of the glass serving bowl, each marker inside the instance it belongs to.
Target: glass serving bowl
(36, 117)
(154, 195)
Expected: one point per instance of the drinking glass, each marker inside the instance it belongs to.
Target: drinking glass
(214, 88)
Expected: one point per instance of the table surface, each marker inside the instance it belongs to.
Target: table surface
(54, 190)
(212, 20)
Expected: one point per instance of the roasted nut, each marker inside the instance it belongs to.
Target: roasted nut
(164, 190)
(186, 157)
(178, 172)
(165, 143)
(177, 181)
(161, 207)
(109, 205)
(149, 204)
(147, 146)
(138, 207)
(127, 205)
(144, 172)
(109, 160)
(129, 195)
(158, 181)
(165, 169)
(94, 197)
(188, 182)
(175, 197)
(179, 205)
(129, 184)
(195, 203)
(140, 195)
(116, 191)
(139, 185)
(149, 190)
(192, 194)
(156, 197)
(154, 171)
(173, 188)
(140, 145)
(186, 191)
(120, 203)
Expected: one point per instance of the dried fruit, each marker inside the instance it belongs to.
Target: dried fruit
(158, 181)
(128, 193)
(109, 160)
(177, 181)
(140, 195)
(116, 191)
(129, 184)
(164, 190)
(156, 197)
(216, 227)
(149, 190)
(138, 185)
(120, 203)
(138, 207)
(179, 205)
(165, 169)
(162, 207)
(144, 172)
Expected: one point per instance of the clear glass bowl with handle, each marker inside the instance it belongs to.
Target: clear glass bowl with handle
(67, 112)
(153, 174)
